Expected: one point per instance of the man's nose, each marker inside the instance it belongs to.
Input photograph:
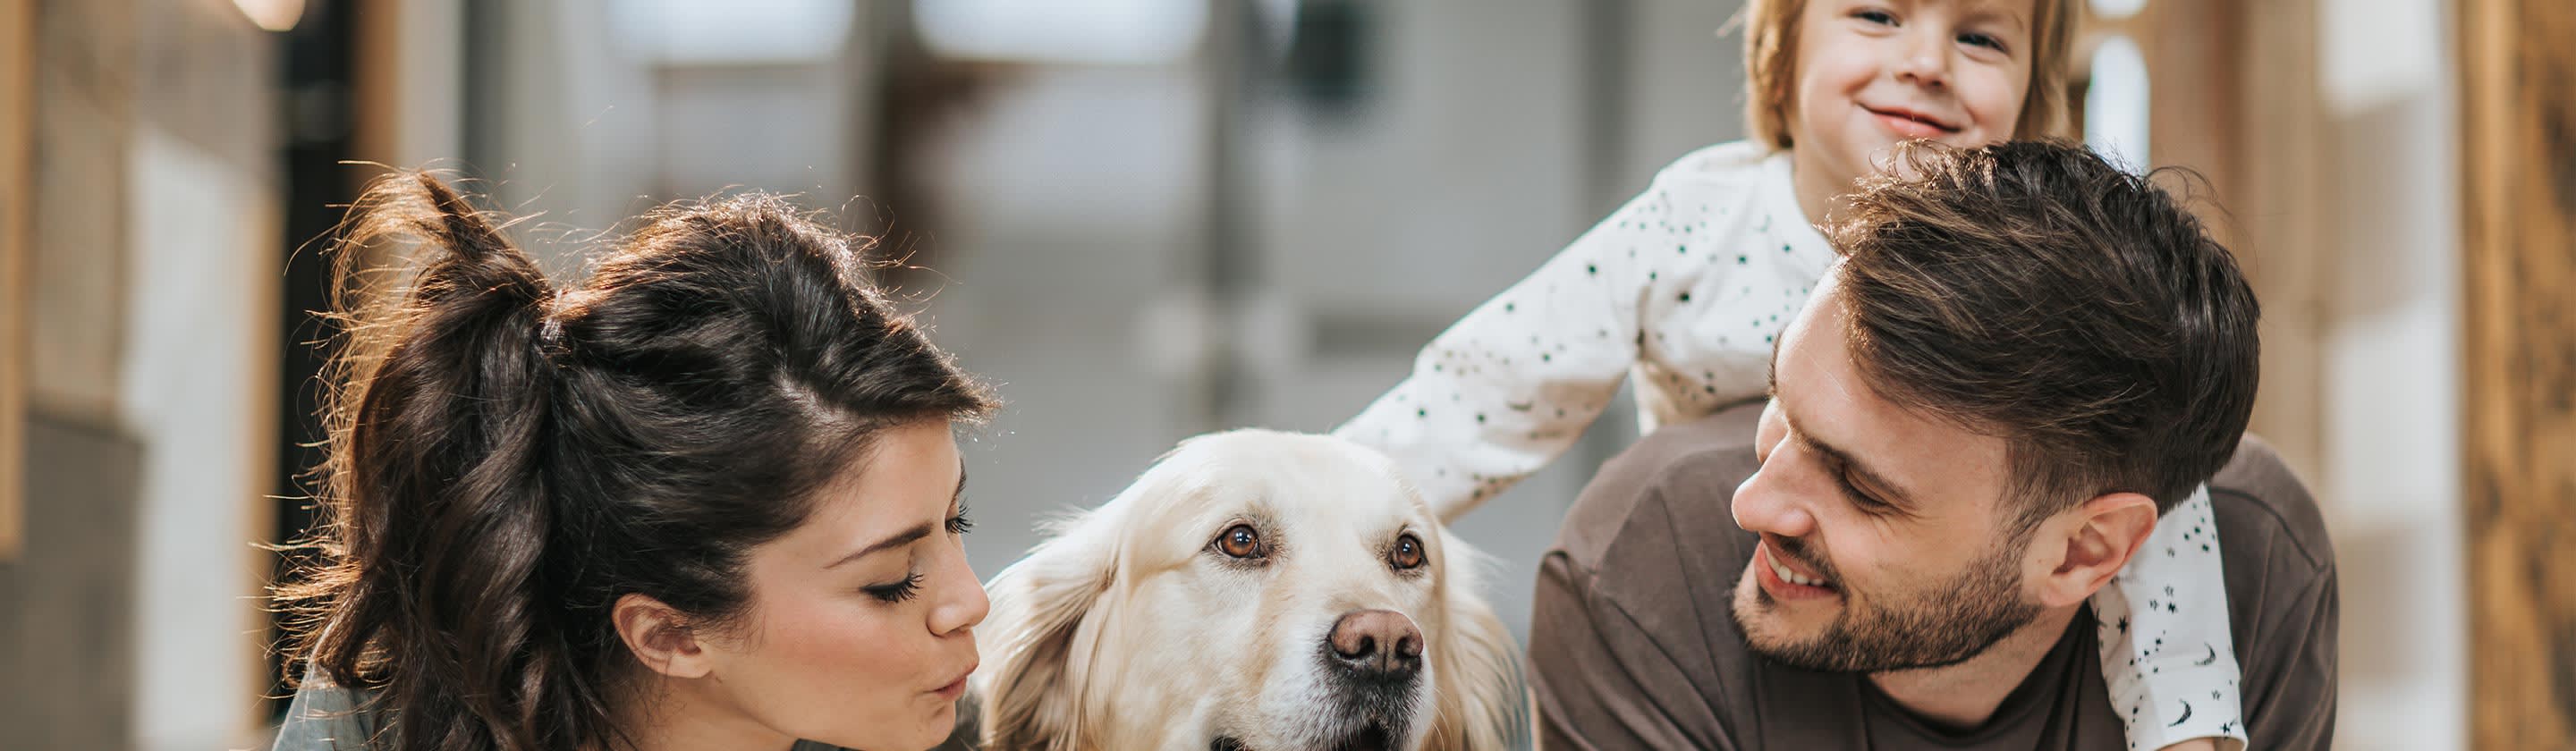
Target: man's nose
(1770, 500)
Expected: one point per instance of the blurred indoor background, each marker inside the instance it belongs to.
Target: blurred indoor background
(1145, 219)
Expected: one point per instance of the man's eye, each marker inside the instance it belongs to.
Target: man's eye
(1866, 503)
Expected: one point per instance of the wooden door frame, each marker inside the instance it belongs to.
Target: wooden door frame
(2518, 400)
(2233, 92)
(17, 136)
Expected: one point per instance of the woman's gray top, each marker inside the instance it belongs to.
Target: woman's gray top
(326, 717)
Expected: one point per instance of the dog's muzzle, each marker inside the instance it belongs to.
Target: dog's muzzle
(1373, 661)
(1374, 650)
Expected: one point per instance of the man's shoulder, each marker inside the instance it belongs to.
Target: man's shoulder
(2260, 501)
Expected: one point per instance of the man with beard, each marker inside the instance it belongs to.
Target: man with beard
(2024, 358)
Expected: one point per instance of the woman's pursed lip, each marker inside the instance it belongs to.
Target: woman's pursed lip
(956, 687)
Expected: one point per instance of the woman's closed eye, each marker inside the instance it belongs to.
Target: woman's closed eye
(958, 524)
(898, 591)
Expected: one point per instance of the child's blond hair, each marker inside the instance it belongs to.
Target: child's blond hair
(1771, 70)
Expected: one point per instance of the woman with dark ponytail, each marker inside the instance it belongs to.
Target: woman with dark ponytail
(707, 498)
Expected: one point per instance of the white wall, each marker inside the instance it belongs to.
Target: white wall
(200, 366)
(2391, 483)
(199, 282)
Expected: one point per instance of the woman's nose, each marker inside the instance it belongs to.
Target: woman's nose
(965, 606)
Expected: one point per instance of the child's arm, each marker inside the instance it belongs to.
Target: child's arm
(2167, 653)
(1510, 386)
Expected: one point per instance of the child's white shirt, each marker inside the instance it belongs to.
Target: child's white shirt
(1683, 290)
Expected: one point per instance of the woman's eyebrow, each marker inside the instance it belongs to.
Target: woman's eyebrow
(910, 535)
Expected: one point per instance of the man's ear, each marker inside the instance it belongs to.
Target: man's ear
(2085, 547)
(660, 637)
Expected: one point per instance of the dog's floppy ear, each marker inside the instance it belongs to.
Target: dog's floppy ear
(1484, 704)
(1030, 692)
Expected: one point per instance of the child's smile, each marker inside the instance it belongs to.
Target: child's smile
(1875, 73)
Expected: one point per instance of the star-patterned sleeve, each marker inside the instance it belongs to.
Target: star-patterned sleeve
(2167, 654)
(1509, 387)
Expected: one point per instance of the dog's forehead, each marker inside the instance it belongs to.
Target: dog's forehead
(1291, 474)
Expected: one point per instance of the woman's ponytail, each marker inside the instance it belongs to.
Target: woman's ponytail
(438, 517)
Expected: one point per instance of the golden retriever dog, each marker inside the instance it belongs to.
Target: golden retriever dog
(1252, 591)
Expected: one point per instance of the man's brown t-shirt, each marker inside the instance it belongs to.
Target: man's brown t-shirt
(1631, 645)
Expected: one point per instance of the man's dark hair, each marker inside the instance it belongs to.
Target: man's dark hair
(2035, 292)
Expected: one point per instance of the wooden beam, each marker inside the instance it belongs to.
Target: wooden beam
(2285, 224)
(2518, 128)
(17, 132)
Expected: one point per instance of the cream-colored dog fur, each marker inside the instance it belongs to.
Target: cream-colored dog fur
(1133, 629)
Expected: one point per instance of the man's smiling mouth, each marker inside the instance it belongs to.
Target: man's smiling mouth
(1782, 571)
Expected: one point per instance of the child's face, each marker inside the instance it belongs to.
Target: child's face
(1873, 73)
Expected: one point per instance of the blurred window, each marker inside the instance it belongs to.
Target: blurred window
(2115, 102)
(686, 32)
(1098, 32)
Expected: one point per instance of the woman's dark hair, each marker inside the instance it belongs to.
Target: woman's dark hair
(506, 461)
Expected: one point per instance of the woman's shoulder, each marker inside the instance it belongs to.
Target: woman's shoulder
(326, 716)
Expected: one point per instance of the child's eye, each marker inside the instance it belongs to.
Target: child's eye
(1876, 16)
(1988, 41)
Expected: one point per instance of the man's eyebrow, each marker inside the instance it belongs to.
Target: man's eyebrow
(911, 535)
(1771, 369)
(1888, 491)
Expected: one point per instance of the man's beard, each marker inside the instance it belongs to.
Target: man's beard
(1935, 627)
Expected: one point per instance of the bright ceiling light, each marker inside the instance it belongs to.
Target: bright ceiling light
(273, 15)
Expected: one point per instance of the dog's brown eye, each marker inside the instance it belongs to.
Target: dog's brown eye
(1240, 541)
(1407, 554)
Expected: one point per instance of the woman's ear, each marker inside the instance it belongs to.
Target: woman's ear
(2090, 544)
(660, 637)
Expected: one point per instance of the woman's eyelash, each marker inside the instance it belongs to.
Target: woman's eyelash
(959, 524)
(898, 591)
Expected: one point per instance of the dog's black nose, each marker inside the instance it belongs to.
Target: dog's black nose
(1377, 644)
